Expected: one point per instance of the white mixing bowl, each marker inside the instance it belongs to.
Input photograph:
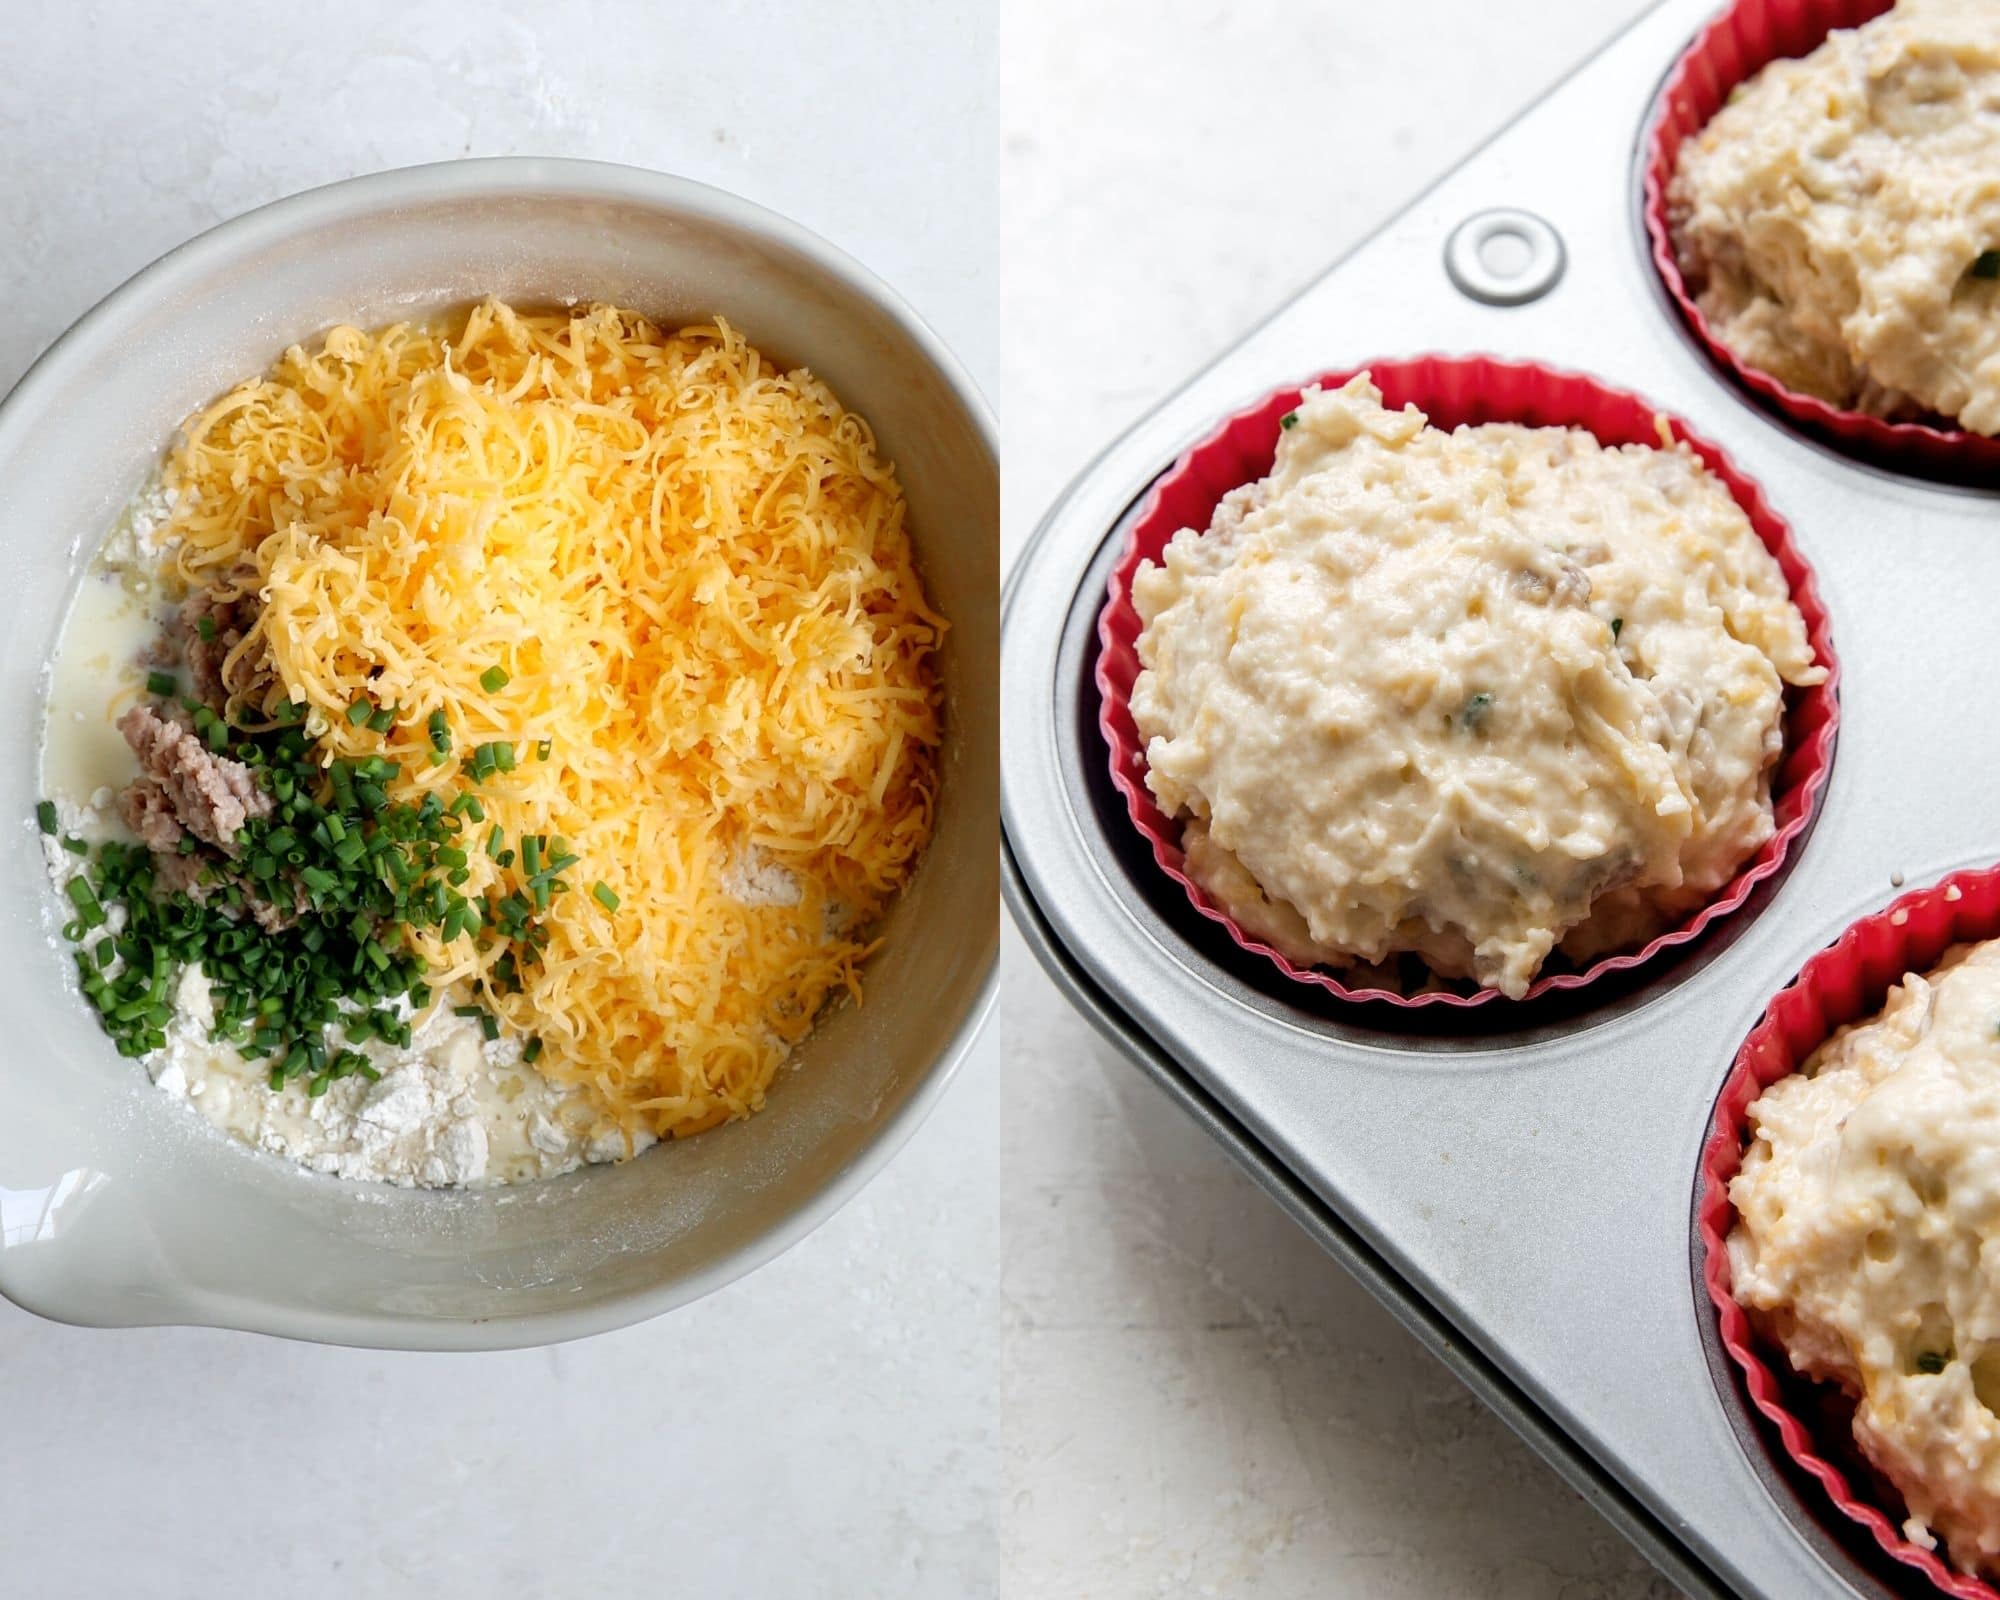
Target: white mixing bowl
(119, 1205)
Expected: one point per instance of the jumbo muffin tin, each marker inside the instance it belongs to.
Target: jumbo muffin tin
(1518, 1183)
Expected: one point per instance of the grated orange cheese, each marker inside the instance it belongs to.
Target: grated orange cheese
(694, 570)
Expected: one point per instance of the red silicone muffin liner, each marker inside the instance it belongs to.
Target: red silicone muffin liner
(1745, 37)
(1845, 982)
(1454, 390)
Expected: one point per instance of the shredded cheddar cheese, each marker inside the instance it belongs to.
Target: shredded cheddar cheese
(692, 571)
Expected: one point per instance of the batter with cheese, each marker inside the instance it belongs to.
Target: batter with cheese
(1869, 1214)
(1839, 220)
(1473, 696)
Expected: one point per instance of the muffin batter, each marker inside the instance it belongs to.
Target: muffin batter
(1465, 695)
(1839, 220)
(1870, 1222)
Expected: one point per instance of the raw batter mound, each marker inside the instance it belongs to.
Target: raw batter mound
(1466, 695)
(1869, 1235)
(1839, 220)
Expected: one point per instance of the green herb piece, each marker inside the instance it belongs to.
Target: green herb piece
(1617, 627)
(543, 747)
(1931, 1361)
(45, 815)
(160, 683)
(1289, 421)
(494, 679)
(602, 893)
(382, 719)
(1475, 711)
(75, 846)
(531, 1051)
(359, 712)
(440, 732)
(496, 755)
(205, 628)
(84, 898)
(1987, 265)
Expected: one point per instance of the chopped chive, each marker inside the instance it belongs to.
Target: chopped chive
(45, 816)
(382, 719)
(84, 898)
(489, 1025)
(359, 712)
(75, 846)
(602, 892)
(1986, 265)
(543, 747)
(1617, 627)
(468, 1011)
(531, 1050)
(1289, 421)
(205, 627)
(531, 854)
(494, 679)
(440, 731)
(160, 683)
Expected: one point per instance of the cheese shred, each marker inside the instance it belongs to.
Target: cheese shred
(716, 663)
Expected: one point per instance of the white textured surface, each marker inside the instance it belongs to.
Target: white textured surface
(824, 1428)
(1195, 1400)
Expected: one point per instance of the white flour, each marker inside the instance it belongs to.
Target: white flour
(452, 1109)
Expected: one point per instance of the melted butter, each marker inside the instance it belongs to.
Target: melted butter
(95, 676)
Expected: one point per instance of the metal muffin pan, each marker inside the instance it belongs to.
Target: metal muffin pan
(1518, 1184)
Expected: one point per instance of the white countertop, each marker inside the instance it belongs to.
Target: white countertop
(824, 1428)
(1196, 1401)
